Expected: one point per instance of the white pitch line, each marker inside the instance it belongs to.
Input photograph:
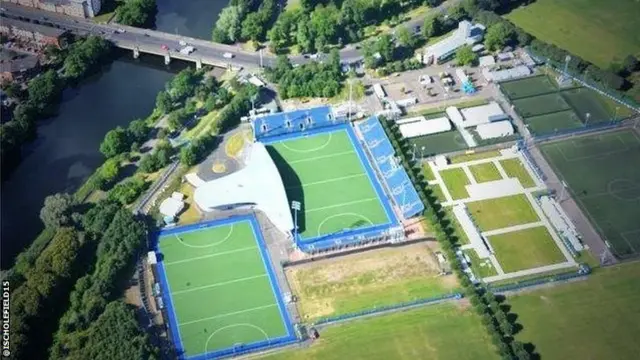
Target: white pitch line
(321, 157)
(328, 181)
(218, 284)
(339, 205)
(228, 314)
(210, 256)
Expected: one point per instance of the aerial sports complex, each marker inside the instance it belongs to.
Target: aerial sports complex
(321, 182)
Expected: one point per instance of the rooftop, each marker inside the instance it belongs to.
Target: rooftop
(41, 29)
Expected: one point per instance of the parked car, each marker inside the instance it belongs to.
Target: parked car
(228, 55)
(165, 47)
(182, 43)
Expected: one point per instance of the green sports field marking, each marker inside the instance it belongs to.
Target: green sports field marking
(206, 345)
(322, 157)
(326, 181)
(284, 145)
(208, 245)
(343, 214)
(342, 204)
(223, 283)
(229, 314)
(209, 256)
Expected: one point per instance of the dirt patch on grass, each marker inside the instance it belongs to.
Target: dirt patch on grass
(361, 277)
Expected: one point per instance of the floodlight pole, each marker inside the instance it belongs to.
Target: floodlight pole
(295, 205)
(587, 122)
(422, 153)
(350, 97)
(413, 154)
(564, 187)
(615, 114)
(261, 65)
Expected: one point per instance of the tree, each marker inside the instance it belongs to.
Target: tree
(384, 46)
(432, 26)
(109, 170)
(188, 156)
(115, 142)
(149, 163)
(137, 13)
(228, 26)
(466, 56)
(252, 27)
(405, 37)
(177, 119)
(45, 89)
(163, 102)
(497, 36)
(127, 191)
(138, 130)
(98, 218)
(56, 211)
(304, 38)
(323, 24)
(456, 13)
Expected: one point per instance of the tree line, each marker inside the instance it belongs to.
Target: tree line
(244, 20)
(43, 94)
(101, 241)
(492, 309)
(317, 24)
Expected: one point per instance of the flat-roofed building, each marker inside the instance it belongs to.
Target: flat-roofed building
(495, 129)
(477, 115)
(420, 126)
(466, 34)
(36, 34)
(77, 8)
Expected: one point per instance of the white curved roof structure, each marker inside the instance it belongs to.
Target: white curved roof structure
(257, 184)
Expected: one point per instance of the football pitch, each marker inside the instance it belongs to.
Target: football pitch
(604, 179)
(325, 173)
(218, 289)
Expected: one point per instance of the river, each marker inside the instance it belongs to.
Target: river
(66, 150)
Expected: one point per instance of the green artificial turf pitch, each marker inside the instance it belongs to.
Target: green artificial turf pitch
(220, 290)
(586, 101)
(604, 178)
(538, 105)
(438, 143)
(553, 122)
(326, 175)
(531, 86)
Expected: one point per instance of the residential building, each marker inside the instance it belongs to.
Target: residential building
(77, 8)
(18, 69)
(35, 34)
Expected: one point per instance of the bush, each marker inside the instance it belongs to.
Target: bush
(128, 191)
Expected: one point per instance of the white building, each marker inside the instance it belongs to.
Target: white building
(495, 129)
(379, 91)
(465, 34)
(502, 75)
(420, 126)
(477, 115)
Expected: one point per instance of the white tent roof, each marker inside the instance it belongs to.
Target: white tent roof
(257, 184)
(488, 60)
(474, 116)
(171, 207)
(421, 126)
(495, 129)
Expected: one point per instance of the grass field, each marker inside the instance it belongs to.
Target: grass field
(542, 104)
(455, 181)
(551, 123)
(526, 87)
(481, 268)
(485, 172)
(473, 156)
(462, 236)
(502, 212)
(515, 169)
(427, 172)
(526, 249)
(367, 280)
(439, 143)
(219, 288)
(432, 332)
(437, 192)
(325, 173)
(602, 180)
(598, 318)
(597, 31)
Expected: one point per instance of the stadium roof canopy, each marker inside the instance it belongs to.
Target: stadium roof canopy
(474, 116)
(257, 185)
(495, 129)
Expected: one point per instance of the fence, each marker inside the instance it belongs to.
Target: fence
(583, 271)
(529, 159)
(579, 131)
(377, 310)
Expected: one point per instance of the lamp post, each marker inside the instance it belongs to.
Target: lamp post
(564, 189)
(296, 206)
(588, 116)
(413, 153)
(422, 153)
(615, 114)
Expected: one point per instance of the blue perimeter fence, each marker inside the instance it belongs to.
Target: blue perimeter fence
(579, 131)
(168, 301)
(344, 237)
(584, 271)
(408, 304)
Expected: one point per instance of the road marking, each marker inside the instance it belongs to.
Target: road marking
(228, 314)
(210, 256)
(339, 205)
(326, 181)
(218, 284)
(322, 157)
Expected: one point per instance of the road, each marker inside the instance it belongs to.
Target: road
(150, 41)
